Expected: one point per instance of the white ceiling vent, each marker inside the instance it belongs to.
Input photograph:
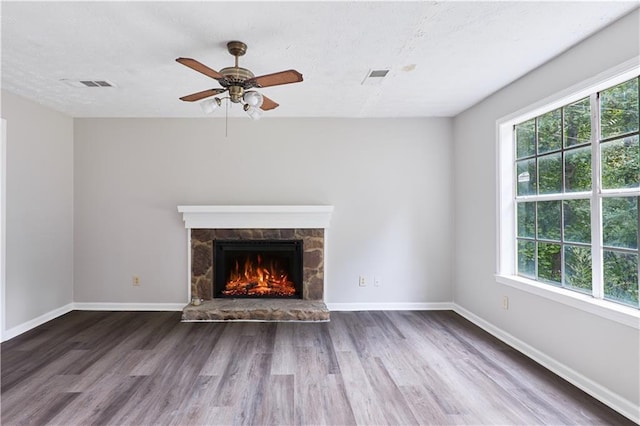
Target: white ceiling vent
(88, 83)
(374, 77)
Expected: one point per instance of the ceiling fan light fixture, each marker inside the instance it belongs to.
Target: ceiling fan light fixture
(238, 81)
(253, 112)
(210, 105)
(253, 98)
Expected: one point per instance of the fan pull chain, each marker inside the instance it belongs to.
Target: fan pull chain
(226, 120)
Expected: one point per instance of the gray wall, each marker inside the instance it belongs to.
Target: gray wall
(389, 180)
(602, 351)
(39, 215)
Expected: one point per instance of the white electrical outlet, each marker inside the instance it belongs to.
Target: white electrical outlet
(362, 281)
(136, 280)
(505, 302)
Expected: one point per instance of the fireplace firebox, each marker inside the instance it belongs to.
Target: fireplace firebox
(257, 268)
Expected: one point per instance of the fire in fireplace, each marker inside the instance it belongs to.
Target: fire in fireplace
(257, 268)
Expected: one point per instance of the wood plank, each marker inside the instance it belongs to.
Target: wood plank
(223, 352)
(197, 409)
(335, 402)
(235, 379)
(425, 406)
(251, 404)
(388, 393)
(20, 403)
(309, 388)
(365, 403)
(283, 360)
(278, 403)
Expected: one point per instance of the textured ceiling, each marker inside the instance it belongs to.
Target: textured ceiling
(443, 56)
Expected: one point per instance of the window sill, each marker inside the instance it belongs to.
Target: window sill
(609, 310)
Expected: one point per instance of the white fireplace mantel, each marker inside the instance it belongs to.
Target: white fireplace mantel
(256, 217)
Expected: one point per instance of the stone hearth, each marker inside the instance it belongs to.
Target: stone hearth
(207, 223)
(257, 310)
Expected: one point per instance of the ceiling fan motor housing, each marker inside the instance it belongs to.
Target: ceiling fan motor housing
(234, 80)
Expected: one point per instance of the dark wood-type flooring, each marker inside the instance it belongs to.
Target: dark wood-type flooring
(367, 368)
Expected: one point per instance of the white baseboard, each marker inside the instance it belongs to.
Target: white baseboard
(26, 326)
(599, 392)
(129, 306)
(437, 306)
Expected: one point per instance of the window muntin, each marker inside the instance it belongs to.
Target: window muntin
(556, 199)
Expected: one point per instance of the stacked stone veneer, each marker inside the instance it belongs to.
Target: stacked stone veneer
(312, 257)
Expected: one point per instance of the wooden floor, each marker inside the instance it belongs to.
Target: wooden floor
(367, 368)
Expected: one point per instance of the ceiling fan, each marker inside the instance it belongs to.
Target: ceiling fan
(238, 81)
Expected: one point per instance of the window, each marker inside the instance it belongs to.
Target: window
(569, 185)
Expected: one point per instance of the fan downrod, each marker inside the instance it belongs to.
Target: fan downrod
(237, 48)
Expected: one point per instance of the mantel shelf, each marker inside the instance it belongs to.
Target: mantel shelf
(256, 217)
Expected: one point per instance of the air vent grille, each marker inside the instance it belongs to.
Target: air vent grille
(375, 77)
(88, 83)
(96, 83)
(378, 73)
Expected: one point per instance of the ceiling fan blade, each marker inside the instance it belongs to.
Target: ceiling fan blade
(275, 79)
(268, 104)
(197, 66)
(201, 95)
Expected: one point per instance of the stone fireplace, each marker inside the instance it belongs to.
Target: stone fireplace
(212, 227)
(202, 257)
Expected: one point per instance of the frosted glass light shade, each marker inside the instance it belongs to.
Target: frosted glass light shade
(253, 98)
(210, 105)
(253, 112)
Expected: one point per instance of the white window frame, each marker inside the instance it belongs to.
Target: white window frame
(506, 186)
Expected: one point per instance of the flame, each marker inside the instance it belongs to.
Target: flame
(254, 278)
